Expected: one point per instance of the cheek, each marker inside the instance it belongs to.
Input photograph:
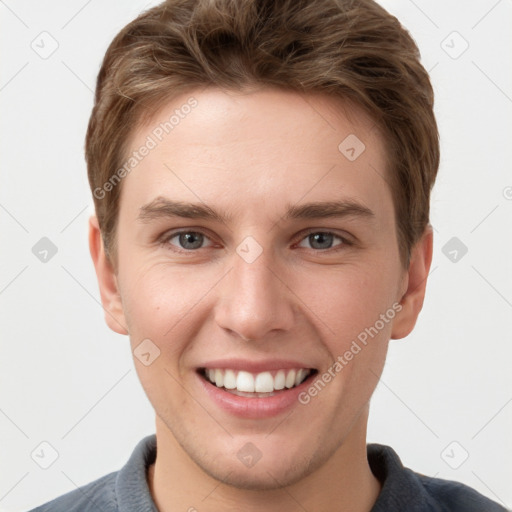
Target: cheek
(161, 305)
(355, 312)
(165, 304)
(347, 301)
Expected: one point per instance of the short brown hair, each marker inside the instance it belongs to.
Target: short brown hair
(352, 49)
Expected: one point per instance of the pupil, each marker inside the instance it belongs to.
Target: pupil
(321, 238)
(188, 238)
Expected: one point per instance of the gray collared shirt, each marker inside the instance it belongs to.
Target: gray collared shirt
(402, 489)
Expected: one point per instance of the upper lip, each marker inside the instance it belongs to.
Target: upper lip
(255, 366)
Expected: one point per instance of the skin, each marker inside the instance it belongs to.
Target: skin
(250, 155)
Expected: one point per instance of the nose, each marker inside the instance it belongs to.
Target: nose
(254, 299)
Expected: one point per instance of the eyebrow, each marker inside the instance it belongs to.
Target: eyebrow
(162, 207)
(322, 210)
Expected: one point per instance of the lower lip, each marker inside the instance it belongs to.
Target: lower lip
(254, 408)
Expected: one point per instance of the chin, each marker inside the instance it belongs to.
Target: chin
(264, 475)
(263, 479)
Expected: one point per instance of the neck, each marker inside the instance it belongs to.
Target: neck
(345, 482)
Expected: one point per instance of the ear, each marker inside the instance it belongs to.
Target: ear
(415, 284)
(107, 280)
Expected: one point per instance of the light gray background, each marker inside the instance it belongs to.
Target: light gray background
(69, 381)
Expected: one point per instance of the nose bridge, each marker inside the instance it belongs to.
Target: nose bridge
(253, 299)
(254, 278)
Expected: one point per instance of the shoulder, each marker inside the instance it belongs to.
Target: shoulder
(97, 495)
(120, 491)
(457, 496)
(404, 489)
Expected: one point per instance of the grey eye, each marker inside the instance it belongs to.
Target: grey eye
(189, 239)
(321, 240)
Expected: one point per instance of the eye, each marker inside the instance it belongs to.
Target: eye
(186, 240)
(322, 240)
(190, 241)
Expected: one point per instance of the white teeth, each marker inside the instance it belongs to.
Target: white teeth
(290, 379)
(300, 376)
(219, 378)
(263, 382)
(279, 380)
(229, 379)
(245, 382)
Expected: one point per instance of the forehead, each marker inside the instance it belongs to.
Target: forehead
(266, 147)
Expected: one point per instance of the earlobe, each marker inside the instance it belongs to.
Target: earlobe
(107, 280)
(417, 274)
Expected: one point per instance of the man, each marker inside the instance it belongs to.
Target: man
(261, 174)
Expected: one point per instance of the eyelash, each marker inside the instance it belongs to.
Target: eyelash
(169, 236)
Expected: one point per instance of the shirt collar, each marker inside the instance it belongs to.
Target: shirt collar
(401, 487)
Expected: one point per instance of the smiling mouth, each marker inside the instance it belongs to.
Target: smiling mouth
(256, 385)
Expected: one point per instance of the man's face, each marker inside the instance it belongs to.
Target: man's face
(266, 286)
